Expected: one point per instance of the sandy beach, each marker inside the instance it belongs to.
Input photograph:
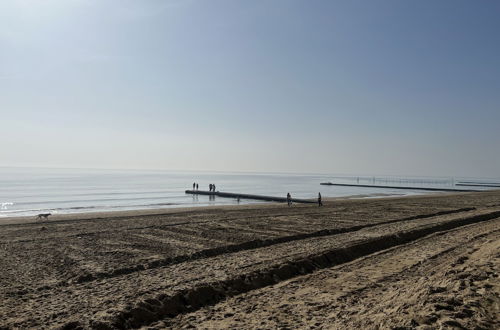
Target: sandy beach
(425, 262)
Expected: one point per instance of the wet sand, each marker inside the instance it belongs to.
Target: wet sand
(410, 262)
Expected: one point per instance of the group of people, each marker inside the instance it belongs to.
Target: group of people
(211, 187)
(289, 199)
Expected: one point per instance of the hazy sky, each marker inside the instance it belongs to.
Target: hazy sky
(383, 87)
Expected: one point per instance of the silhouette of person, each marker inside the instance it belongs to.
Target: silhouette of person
(210, 187)
(213, 187)
(320, 203)
(289, 199)
(196, 186)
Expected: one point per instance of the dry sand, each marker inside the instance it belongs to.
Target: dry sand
(412, 262)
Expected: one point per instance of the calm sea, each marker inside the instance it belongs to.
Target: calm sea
(29, 191)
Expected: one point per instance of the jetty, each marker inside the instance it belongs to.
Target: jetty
(480, 182)
(398, 187)
(479, 185)
(248, 196)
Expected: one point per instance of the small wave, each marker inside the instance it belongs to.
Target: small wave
(107, 193)
(3, 206)
(159, 204)
(76, 209)
(20, 211)
(92, 200)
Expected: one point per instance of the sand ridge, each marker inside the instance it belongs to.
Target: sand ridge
(445, 280)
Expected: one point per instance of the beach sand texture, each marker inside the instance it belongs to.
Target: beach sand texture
(409, 262)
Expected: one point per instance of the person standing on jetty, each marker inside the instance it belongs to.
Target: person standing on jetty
(289, 199)
(210, 187)
(213, 187)
(194, 185)
(320, 203)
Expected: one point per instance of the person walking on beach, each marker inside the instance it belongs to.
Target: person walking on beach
(289, 199)
(320, 203)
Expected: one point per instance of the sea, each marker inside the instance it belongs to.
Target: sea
(30, 191)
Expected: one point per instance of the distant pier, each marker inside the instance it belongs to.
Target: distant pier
(480, 182)
(398, 187)
(247, 196)
(488, 185)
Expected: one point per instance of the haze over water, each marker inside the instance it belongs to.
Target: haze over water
(29, 191)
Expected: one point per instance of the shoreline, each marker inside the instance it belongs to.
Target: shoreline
(178, 206)
(58, 217)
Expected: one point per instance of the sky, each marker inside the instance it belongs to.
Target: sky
(355, 87)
